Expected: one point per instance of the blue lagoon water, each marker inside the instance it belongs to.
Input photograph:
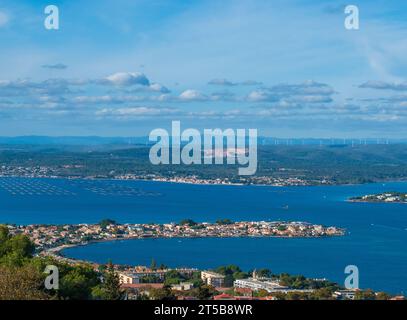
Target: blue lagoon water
(376, 241)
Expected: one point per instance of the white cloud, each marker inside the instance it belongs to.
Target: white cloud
(4, 19)
(127, 79)
(156, 87)
(106, 99)
(130, 112)
(57, 66)
(382, 85)
(306, 92)
(259, 96)
(226, 82)
(192, 95)
(222, 82)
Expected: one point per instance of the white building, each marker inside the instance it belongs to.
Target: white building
(129, 278)
(344, 294)
(260, 284)
(183, 286)
(213, 279)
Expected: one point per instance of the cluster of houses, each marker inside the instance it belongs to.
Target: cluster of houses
(383, 197)
(261, 180)
(53, 172)
(243, 289)
(50, 236)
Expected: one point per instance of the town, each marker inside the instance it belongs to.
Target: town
(65, 171)
(53, 238)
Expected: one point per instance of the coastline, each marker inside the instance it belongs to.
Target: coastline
(383, 197)
(51, 240)
(204, 183)
(383, 202)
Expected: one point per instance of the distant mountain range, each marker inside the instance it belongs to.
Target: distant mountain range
(72, 140)
(97, 140)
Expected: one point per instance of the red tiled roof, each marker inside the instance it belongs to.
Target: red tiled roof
(142, 285)
(223, 296)
(243, 290)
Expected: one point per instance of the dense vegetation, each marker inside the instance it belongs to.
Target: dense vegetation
(22, 275)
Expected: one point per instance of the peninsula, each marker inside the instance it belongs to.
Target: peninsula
(387, 197)
(50, 239)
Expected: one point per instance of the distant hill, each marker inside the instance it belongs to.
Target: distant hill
(72, 140)
(97, 140)
(335, 164)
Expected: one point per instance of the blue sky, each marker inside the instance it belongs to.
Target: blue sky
(286, 67)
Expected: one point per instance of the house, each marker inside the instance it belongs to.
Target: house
(247, 292)
(344, 294)
(134, 291)
(129, 278)
(256, 284)
(212, 278)
(183, 286)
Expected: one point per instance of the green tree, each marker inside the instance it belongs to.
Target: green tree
(229, 279)
(153, 265)
(162, 294)
(21, 245)
(261, 293)
(382, 296)
(110, 287)
(295, 296)
(106, 222)
(14, 250)
(188, 222)
(264, 273)
(205, 292)
(322, 294)
(224, 221)
(78, 282)
(231, 273)
(21, 283)
(365, 295)
(173, 277)
(4, 234)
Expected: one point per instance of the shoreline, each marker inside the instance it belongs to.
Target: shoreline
(384, 202)
(392, 197)
(51, 240)
(211, 184)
